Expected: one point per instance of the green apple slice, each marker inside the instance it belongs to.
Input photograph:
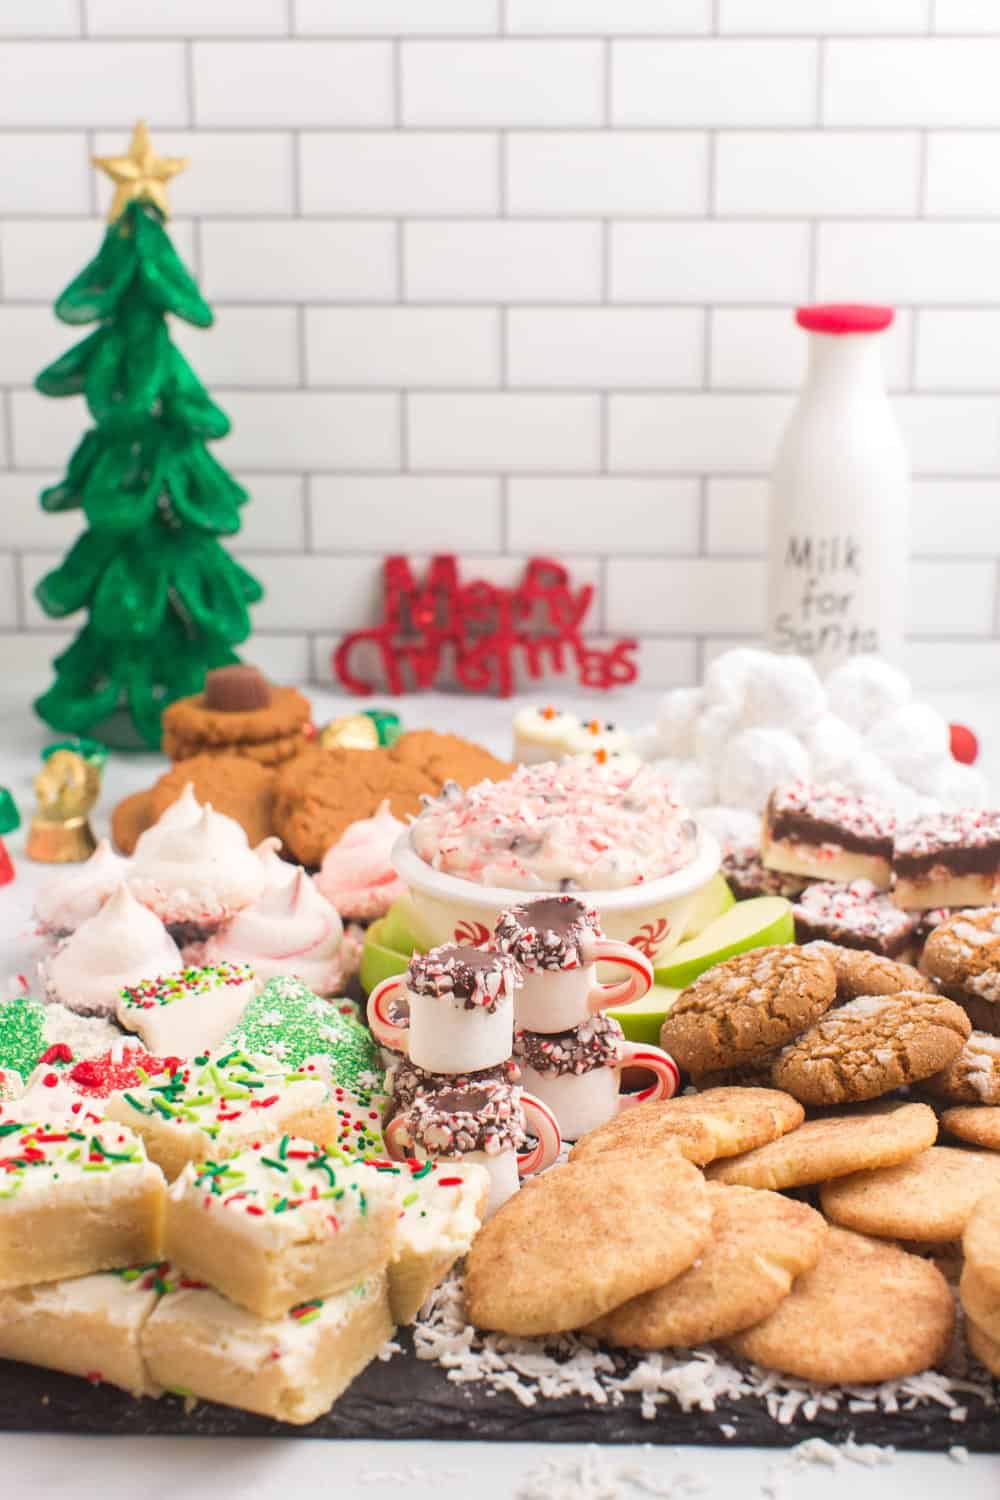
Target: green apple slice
(378, 958)
(748, 924)
(712, 900)
(400, 927)
(641, 1021)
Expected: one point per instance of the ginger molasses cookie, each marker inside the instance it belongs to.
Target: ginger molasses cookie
(760, 1242)
(238, 713)
(702, 1127)
(927, 1199)
(872, 1045)
(867, 1311)
(624, 1224)
(447, 757)
(862, 973)
(238, 787)
(321, 792)
(974, 1075)
(129, 821)
(981, 1241)
(978, 1124)
(877, 1135)
(963, 955)
(747, 1006)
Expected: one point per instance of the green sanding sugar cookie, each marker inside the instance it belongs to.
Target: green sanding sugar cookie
(22, 1033)
(289, 1023)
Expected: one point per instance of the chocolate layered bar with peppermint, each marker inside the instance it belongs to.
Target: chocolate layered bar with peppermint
(828, 833)
(855, 915)
(949, 859)
(746, 876)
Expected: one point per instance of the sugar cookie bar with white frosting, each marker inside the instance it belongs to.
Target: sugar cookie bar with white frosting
(442, 1210)
(208, 1110)
(75, 1201)
(179, 1015)
(291, 1367)
(86, 1325)
(281, 1223)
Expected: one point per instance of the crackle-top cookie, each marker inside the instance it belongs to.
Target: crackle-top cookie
(702, 1127)
(926, 1200)
(238, 787)
(747, 1006)
(862, 973)
(870, 1046)
(974, 1075)
(867, 1311)
(874, 1136)
(624, 1225)
(760, 1242)
(447, 757)
(963, 955)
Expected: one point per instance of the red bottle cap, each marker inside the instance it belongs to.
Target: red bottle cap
(844, 317)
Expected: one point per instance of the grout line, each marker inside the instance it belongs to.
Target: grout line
(604, 432)
(305, 502)
(813, 254)
(707, 333)
(302, 339)
(295, 172)
(504, 514)
(400, 264)
(503, 348)
(820, 80)
(7, 419)
(290, 18)
(607, 62)
(397, 83)
(703, 548)
(711, 175)
(20, 599)
(503, 195)
(923, 173)
(189, 83)
(404, 432)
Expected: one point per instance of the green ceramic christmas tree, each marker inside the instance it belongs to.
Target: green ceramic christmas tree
(165, 602)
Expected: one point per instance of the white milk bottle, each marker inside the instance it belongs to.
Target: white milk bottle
(839, 521)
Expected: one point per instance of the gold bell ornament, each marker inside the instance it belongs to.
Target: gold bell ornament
(66, 787)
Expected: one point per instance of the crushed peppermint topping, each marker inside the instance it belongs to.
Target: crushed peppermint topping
(551, 932)
(594, 1044)
(941, 832)
(855, 910)
(482, 1116)
(472, 976)
(862, 818)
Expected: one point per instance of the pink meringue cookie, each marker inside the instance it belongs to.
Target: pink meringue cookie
(123, 944)
(357, 873)
(79, 893)
(197, 875)
(277, 871)
(290, 931)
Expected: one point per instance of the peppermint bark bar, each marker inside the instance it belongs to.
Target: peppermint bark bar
(88, 1326)
(948, 859)
(75, 1201)
(207, 1111)
(828, 833)
(292, 1367)
(855, 915)
(281, 1223)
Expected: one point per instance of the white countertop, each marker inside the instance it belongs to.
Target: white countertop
(252, 1468)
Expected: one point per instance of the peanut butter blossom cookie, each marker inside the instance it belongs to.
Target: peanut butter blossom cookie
(288, 1023)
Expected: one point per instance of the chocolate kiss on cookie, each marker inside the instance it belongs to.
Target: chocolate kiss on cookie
(760, 1242)
(867, 1311)
(237, 689)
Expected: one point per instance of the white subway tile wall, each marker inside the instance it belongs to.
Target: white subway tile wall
(511, 277)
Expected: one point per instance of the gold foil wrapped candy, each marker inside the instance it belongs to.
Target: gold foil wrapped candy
(350, 732)
(66, 787)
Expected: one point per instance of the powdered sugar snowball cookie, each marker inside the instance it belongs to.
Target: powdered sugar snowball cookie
(783, 692)
(290, 931)
(757, 760)
(913, 741)
(198, 875)
(713, 729)
(77, 894)
(953, 785)
(123, 944)
(357, 873)
(691, 783)
(833, 747)
(675, 722)
(734, 827)
(865, 689)
(728, 677)
(869, 776)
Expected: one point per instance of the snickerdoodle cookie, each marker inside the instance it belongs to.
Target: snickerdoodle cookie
(872, 1045)
(981, 1241)
(760, 1242)
(963, 955)
(623, 1226)
(980, 1301)
(747, 1006)
(973, 1077)
(862, 973)
(978, 1124)
(927, 1199)
(702, 1127)
(876, 1136)
(867, 1311)
(985, 1349)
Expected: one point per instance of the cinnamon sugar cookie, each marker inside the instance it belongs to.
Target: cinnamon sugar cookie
(981, 1241)
(867, 1311)
(747, 1006)
(872, 1045)
(624, 1226)
(876, 1135)
(760, 1242)
(983, 1347)
(974, 1075)
(980, 1301)
(979, 1125)
(702, 1127)
(862, 973)
(963, 955)
(927, 1199)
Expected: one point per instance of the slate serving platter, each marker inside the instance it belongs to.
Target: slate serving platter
(410, 1398)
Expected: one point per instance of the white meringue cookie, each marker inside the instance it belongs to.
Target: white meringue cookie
(183, 813)
(121, 945)
(290, 931)
(277, 871)
(79, 893)
(203, 872)
(358, 876)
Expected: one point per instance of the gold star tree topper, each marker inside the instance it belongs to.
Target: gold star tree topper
(140, 173)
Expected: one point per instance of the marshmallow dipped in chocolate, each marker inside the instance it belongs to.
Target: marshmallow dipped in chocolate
(469, 977)
(484, 1115)
(405, 1082)
(596, 1043)
(551, 932)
